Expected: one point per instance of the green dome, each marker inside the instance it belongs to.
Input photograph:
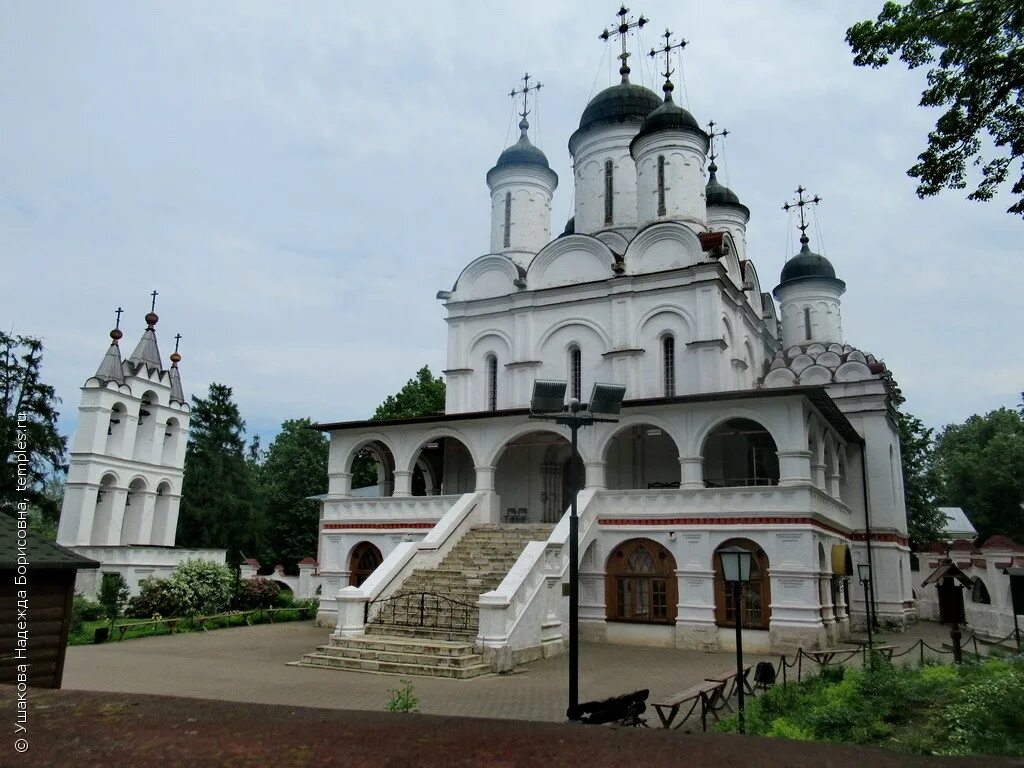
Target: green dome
(622, 102)
(718, 194)
(523, 151)
(667, 117)
(808, 265)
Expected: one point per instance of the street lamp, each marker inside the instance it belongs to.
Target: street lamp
(864, 574)
(736, 570)
(548, 403)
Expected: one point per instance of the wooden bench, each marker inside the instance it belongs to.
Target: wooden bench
(621, 710)
(705, 695)
(122, 629)
(729, 676)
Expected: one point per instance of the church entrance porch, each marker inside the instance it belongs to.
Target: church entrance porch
(531, 478)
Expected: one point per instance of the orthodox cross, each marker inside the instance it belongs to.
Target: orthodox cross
(152, 307)
(799, 204)
(177, 340)
(667, 50)
(623, 29)
(525, 91)
(712, 135)
(118, 312)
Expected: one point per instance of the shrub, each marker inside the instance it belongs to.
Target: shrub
(257, 592)
(403, 699)
(200, 587)
(284, 599)
(155, 598)
(113, 595)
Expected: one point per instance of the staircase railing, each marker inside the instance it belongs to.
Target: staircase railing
(428, 610)
(403, 559)
(526, 609)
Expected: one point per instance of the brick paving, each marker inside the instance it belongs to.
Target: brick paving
(249, 664)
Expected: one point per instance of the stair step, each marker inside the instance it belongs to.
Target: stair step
(396, 657)
(392, 668)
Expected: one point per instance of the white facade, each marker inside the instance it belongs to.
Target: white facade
(123, 490)
(728, 432)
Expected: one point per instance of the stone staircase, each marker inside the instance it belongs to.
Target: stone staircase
(430, 626)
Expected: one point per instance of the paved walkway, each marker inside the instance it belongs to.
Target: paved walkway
(249, 664)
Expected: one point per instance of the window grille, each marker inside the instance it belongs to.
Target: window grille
(508, 219)
(576, 372)
(661, 185)
(492, 383)
(609, 190)
(669, 348)
(807, 323)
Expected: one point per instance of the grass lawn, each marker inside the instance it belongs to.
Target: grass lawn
(87, 632)
(974, 708)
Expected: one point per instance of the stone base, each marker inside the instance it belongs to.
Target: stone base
(698, 637)
(787, 639)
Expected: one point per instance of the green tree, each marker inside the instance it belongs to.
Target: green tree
(925, 523)
(422, 395)
(218, 505)
(979, 466)
(294, 469)
(113, 595)
(976, 48)
(29, 441)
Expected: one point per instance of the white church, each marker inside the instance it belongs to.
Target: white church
(124, 479)
(748, 420)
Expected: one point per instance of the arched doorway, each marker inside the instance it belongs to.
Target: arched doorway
(365, 559)
(642, 456)
(373, 470)
(532, 478)
(740, 452)
(757, 593)
(640, 585)
(443, 465)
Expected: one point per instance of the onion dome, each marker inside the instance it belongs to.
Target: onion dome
(807, 265)
(570, 226)
(669, 116)
(523, 152)
(622, 102)
(719, 194)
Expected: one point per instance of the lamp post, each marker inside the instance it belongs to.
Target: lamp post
(548, 403)
(736, 570)
(864, 574)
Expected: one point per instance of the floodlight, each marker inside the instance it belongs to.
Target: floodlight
(606, 400)
(735, 563)
(548, 397)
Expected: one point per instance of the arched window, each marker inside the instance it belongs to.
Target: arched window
(979, 592)
(575, 372)
(609, 191)
(641, 583)
(365, 559)
(756, 593)
(492, 383)
(740, 452)
(807, 323)
(661, 185)
(508, 219)
(668, 349)
(116, 428)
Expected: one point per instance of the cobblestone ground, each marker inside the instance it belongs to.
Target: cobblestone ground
(249, 664)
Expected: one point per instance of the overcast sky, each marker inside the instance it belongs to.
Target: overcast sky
(297, 180)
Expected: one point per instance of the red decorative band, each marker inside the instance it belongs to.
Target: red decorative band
(891, 537)
(775, 520)
(375, 526)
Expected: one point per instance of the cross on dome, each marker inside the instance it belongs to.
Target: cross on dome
(667, 51)
(800, 203)
(624, 27)
(524, 92)
(712, 135)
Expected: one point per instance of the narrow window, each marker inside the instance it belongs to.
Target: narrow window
(661, 185)
(609, 189)
(492, 383)
(807, 323)
(508, 219)
(575, 372)
(669, 350)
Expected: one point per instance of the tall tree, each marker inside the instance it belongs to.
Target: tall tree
(925, 523)
(218, 504)
(31, 449)
(294, 469)
(977, 49)
(980, 466)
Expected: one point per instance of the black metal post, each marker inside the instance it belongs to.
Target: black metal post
(954, 634)
(870, 595)
(737, 601)
(574, 586)
(867, 607)
(1016, 629)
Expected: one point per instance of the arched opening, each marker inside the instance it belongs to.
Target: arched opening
(131, 522)
(443, 466)
(162, 534)
(507, 240)
(740, 452)
(661, 185)
(642, 456)
(531, 478)
(145, 427)
(169, 449)
(668, 364)
(609, 192)
(979, 592)
(106, 496)
(831, 469)
(373, 470)
(364, 561)
(491, 365)
(641, 585)
(756, 594)
(575, 372)
(116, 427)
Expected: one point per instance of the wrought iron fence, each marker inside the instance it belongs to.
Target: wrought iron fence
(427, 610)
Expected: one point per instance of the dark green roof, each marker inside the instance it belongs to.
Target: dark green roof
(667, 117)
(808, 265)
(523, 151)
(570, 226)
(622, 102)
(717, 193)
(40, 553)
